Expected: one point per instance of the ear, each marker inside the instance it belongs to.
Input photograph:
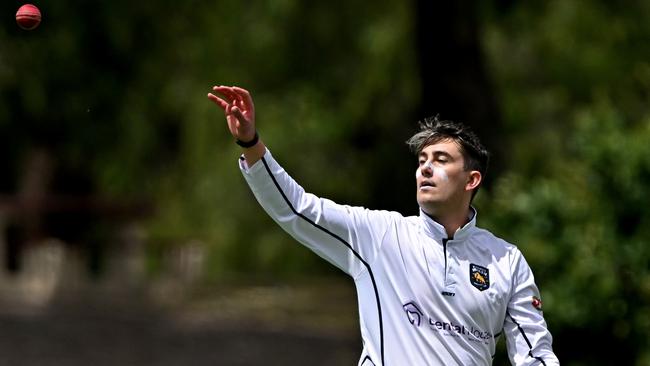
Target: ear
(473, 180)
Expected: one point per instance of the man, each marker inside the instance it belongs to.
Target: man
(433, 289)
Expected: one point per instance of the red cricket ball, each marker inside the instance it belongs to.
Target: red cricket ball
(28, 17)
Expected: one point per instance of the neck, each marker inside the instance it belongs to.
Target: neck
(451, 221)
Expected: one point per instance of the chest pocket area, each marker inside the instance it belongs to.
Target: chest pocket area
(483, 289)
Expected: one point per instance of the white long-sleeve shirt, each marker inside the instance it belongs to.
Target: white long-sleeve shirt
(424, 298)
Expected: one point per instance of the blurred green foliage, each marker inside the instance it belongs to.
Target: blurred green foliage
(119, 93)
(573, 78)
(116, 92)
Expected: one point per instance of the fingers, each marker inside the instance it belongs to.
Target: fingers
(236, 95)
(218, 101)
(230, 98)
(244, 96)
(237, 104)
(240, 116)
(227, 92)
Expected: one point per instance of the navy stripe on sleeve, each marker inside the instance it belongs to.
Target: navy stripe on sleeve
(338, 238)
(530, 346)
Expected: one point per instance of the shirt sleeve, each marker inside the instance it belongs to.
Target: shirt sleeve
(528, 339)
(348, 237)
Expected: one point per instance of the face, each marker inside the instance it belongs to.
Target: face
(442, 181)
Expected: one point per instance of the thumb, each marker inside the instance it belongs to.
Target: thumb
(240, 116)
(246, 129)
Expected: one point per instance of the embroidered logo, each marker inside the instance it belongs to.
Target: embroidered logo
(479, 277)
(445, 327)
(537, 303)
(413, 313)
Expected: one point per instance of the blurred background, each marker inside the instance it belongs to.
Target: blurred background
(128, 236)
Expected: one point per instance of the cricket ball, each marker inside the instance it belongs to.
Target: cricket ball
(28, 17)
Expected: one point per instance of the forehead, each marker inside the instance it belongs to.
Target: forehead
(448, 146)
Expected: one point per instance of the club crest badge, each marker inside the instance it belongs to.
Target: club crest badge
(479, 277)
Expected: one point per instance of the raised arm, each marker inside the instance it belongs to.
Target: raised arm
(348, 237)
(239, 109)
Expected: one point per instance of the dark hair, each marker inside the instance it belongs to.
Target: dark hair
(433, 130)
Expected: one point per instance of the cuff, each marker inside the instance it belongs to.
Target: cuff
(243, 164)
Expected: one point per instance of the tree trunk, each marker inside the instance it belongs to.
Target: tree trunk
(453, 73)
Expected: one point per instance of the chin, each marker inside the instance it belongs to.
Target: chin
(427, 200)
(427, 206)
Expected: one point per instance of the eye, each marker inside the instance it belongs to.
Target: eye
(421, 162)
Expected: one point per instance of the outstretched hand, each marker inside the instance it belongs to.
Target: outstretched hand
(238, 107)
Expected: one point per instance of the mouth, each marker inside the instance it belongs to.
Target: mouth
(425, 185)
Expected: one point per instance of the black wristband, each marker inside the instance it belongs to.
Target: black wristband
(250, 143)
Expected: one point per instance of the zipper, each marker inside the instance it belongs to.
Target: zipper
(444, 248)
(444, 251)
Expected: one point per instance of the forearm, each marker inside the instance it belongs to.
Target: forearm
(254, 153)
(332, 231)
(527, 336)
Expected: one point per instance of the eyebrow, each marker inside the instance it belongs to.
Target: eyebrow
(435, 153)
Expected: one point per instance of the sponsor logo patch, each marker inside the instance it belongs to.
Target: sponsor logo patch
(537, 303)
(445, 327)
(479, 277)
(413, 313)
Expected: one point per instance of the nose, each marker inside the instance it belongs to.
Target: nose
(427, 169)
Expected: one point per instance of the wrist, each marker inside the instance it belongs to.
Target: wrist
(248, 144)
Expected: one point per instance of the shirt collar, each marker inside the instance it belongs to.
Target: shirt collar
(438, 231)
